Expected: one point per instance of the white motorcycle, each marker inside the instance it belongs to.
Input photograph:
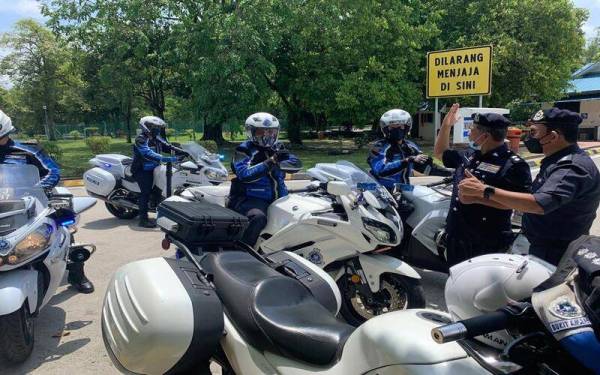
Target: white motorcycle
(111, 179)
(343, 222)
(423, 245)
(36, 243)
(241, 313)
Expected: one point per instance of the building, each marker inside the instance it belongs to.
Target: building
(583, 97)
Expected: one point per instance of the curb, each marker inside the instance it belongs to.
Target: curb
(590, 151)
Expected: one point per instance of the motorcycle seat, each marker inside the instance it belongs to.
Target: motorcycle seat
(274, 312)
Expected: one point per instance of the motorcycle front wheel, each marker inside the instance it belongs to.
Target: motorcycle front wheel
(17, 335)
(396, 292)
(121, 212)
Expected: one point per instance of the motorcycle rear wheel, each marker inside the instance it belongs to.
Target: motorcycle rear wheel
(121, 212)
(17, 335)
(402, 293)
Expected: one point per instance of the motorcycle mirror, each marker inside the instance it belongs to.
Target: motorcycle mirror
(81, 204)
(338, 188)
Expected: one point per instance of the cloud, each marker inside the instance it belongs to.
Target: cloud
(22, 8)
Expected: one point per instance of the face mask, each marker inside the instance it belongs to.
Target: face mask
(534, 145)
(155, 132)
(474, 145)
(396, 134)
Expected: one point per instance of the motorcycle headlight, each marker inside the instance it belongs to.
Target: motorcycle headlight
(31, 245)
(379, 230)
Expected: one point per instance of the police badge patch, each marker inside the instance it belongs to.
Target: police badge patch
(564, 308)
(315, 256)
(539, 115)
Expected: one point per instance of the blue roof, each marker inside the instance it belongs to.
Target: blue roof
(584, 85)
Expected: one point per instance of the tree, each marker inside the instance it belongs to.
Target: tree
(591, 52)
(41, 68)
(537, 44)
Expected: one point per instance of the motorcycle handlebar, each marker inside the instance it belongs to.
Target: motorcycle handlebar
(473, 327)
(310, 188)
(445, 181)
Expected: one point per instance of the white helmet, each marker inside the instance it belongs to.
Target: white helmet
(395, 117)
(147, 123)
(6, 126)
(488, 282)
(262, 128)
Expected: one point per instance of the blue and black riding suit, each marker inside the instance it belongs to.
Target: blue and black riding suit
(259, 181)
(147, 156)
(18, 153)
(390, 163)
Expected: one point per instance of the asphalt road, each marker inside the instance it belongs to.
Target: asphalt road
(68, 339)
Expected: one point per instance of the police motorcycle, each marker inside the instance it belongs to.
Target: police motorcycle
(111, 179)
(344, 222)
(271, 314)
(426, 208)
(36, 245)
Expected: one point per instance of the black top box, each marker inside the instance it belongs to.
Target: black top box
(204, 223)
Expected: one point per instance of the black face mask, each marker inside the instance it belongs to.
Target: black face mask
(155, 132)
(533, 144)
(396, 134)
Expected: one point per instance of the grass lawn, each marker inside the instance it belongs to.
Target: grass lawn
(76, 153)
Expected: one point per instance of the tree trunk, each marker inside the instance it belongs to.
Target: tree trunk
(293, 130)
(213, 132)
(128, 119)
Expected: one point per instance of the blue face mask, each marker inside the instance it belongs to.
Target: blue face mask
(474, 145)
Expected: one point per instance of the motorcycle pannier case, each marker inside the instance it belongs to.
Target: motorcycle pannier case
(203, 222)
(158, 317)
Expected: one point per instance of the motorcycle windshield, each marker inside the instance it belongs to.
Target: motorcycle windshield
(356, 178)
(198, 152)
(18, 182)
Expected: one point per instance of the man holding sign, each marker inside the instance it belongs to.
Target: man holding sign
(475, 226)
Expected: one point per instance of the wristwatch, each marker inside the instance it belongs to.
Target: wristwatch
(489, 191)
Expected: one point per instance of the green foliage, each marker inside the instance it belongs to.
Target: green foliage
(91, 131)
(170, 131)
(52, 149)
(591, 53)
(75, 134)
(362, 140)
(98, 145)
(209, 145)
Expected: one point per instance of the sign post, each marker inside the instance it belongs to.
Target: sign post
(458, 72)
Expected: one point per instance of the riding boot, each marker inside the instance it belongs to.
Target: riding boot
(77, 278)
(147, 223)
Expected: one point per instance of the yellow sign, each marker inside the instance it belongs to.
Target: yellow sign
(459, 72)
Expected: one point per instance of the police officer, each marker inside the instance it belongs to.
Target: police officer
(473, 228)
(147, 150)
(566, 191)
(568, 303)
(393, 158)
(12, 152)
(260, 179)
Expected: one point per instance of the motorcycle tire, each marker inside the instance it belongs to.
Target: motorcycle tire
(120, 212)
(17, 335)
(413, 294)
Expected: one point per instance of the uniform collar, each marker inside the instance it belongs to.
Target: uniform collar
(572, 149)
(500, 150)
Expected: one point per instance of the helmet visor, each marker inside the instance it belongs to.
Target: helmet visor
(265, 137)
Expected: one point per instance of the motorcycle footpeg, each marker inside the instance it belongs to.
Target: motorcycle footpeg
(79, 253)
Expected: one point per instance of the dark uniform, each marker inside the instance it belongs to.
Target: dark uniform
(475, 229)
(259, 181)
(391, 162)
(147, 156)
(567, 188)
